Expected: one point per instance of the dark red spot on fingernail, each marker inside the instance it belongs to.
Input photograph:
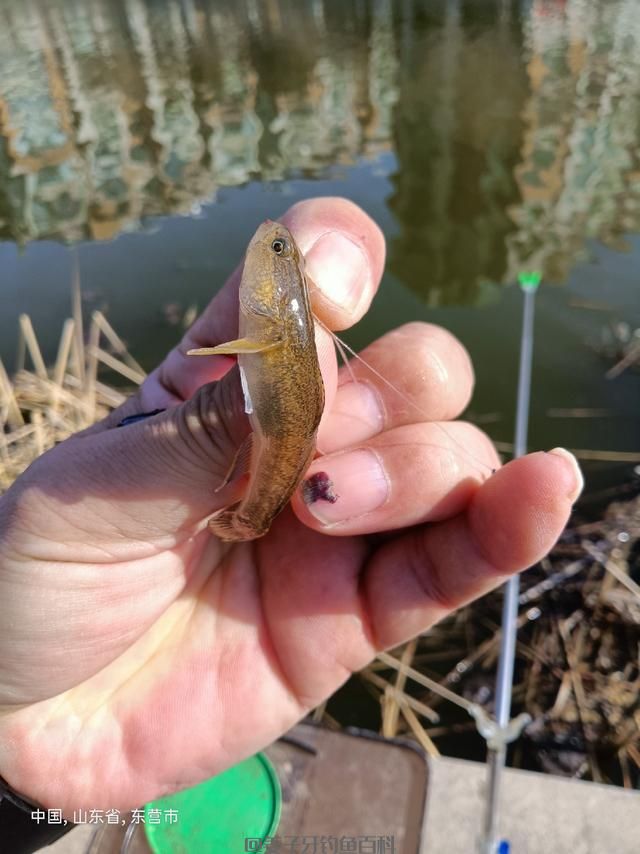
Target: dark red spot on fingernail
(318, 487)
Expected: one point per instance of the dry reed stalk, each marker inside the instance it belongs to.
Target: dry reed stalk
(634, 753)
(592, 305)
(572, 652)
(607, 456)
(419, 731)
(439, 731)
(20, 354)
(391, 706)
(436, 656)
(624, 767)
(36, 418)
(110, 396)
(534, 677)
(563, 697)
(9, 404)
(318, 712)
(425, 681)
(627, 360)
(329, 721)
(116, 342)
(60, 367)
(120, 367)
(586, 454)
(91, 371)
(416, 705)
(484, 652)
(552, 580)
(4, 447)
(79, 359)
(35, 393)
(623, 577)
(33, 348)
(579, 412)
(39, 408)
(19, 435)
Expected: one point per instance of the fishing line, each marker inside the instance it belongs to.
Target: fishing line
(342, 346)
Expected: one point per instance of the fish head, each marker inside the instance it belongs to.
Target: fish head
(273, 271)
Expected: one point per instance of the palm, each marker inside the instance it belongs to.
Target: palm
(239, 655)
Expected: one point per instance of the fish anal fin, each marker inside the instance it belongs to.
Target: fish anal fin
(239, 464)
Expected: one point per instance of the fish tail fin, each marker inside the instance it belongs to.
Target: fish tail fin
(222, 524)
(230, 527)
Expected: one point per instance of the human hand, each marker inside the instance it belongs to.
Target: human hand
(140, 655)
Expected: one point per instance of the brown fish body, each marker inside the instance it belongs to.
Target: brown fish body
(282, 383)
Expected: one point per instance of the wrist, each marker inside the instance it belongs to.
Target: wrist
(23, 828)
(8, 793)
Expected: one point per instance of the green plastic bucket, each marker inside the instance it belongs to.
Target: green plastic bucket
(228, 813)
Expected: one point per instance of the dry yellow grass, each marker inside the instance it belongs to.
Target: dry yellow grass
(41, 406)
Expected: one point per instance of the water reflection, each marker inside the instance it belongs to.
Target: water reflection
(514, 128)
(112, 111)
(457, 134)
(579, 174)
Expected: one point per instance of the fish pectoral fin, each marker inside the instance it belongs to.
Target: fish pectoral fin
(240, 463)
(240, 345)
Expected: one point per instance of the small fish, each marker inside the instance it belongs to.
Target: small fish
(281, 382)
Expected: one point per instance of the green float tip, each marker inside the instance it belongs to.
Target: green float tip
(529, 281)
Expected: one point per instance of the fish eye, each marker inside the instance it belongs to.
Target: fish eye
(279, 246)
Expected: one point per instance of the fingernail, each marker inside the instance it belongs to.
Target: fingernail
(577, 481)
(357, 480)
(339, 268)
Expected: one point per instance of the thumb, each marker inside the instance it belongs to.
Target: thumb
(148, 485)
(125, 491)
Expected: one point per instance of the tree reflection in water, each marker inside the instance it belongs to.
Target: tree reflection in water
(513, 129)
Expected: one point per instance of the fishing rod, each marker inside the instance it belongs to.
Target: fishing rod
(504, 730)
(499, 730)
